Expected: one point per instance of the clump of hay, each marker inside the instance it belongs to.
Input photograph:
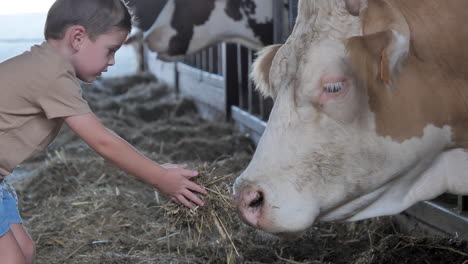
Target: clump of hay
(215, 217)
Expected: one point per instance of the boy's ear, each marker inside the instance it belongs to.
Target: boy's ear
(76, 36)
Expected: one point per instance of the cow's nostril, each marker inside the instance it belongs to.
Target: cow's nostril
(258, 201)
(250, 202)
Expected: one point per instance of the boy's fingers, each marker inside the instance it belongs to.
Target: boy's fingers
(182, 166)
(192, 197)
(189, 173)
(184, 201)
(175, 200)
(197, 188)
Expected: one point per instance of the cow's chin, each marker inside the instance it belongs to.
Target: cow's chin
(289, 228)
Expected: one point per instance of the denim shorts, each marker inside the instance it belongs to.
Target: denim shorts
(9, 213)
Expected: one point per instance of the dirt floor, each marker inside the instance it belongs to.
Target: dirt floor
(81, 209)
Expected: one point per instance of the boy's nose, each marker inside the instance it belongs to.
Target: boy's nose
(111, 61)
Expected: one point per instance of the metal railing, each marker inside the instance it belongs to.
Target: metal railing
(208, 60)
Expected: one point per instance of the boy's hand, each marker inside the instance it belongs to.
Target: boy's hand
(176, 184)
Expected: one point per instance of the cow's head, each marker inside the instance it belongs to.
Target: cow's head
(353, 126)
(187, 26)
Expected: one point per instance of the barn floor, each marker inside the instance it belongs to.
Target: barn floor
(80, 209)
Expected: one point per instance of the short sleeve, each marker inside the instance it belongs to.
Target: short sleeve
(63, 98)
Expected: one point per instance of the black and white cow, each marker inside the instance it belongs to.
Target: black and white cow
(186, 26)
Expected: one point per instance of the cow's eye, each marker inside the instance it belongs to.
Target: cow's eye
(333, 87)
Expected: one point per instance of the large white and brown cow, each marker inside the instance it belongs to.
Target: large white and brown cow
(187, 26)
(370, 113)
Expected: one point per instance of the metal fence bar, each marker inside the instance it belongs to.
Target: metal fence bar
(242, 76)
(261, 104)
(230, 68)
(199, 63)
(211, 61)
(221, 50)
(204, 60)
(293, 5)
(251, 102)
(278, 14)
(462, 205)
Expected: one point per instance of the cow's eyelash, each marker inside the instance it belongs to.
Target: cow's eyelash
(333, 87)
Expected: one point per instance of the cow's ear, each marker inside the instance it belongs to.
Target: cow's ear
(260, 72)
(382, 51)
(366, 59)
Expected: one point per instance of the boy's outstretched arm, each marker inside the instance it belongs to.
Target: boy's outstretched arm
(172, 180)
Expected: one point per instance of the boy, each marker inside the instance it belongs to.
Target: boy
(39, 92)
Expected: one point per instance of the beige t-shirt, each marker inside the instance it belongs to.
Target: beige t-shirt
(36, 89)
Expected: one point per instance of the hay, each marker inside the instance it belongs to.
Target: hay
(216, 215)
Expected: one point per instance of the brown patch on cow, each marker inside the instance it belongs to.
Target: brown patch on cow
(260, 72)
(432, 86)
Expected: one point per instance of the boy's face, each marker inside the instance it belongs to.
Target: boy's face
(96, 55)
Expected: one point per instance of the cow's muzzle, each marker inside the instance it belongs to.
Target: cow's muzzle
(250, 202)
